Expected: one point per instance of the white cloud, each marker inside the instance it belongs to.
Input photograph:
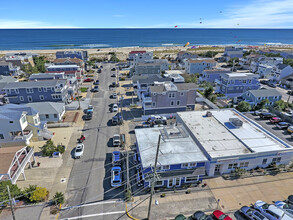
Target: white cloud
(258, 14)
(9, 24)
(118, 16)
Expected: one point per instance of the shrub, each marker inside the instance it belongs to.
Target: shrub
(39, 195)
(29, 190)
(48, 149)
(243, 107)
(60, 148)
(59, 198)
(163, 195)
(14, 190)
(83, 89)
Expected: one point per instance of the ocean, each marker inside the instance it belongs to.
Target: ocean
(28, 39)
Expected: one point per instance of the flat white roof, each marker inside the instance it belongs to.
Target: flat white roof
(176, 149)
(62, 66)
(174, 72)
(220, 138)
(240, 74)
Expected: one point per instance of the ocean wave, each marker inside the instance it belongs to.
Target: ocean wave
(271, 43)
(94, 45)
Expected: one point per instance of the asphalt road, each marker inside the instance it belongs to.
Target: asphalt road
(89, 183)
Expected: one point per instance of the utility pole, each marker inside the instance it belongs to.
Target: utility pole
(154, 179)
(12, 211)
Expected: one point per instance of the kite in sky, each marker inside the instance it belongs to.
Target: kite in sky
(175, 26)
(186, 44)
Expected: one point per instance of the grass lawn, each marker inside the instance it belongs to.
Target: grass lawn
(83, 89)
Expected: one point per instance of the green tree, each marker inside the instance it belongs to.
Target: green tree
(243, 106)
(40, 64)
(29, 190)
(48, 149)
(39, 195)
(114, 58)
(14, 191)
(193, 78)
(235, 60)
(288, 62)
(273, 55)
(208, 92)
(59, 198)
(263, 103)
(281, 105)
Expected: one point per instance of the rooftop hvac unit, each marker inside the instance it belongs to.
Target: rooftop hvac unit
(209, 114)
(236, 122)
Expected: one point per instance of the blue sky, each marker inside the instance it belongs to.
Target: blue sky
(146, 14)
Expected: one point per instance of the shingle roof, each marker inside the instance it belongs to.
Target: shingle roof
(201, 61)
(157, 88)
(215, 71)
(281, 66)
(34, 84)
(62, 60)
(265, 92)
(47, 107)
(185, 86)
(152, 78)
(18, 108)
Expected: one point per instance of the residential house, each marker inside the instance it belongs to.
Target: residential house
(233, 52)
(168, 97)
(83, 55)
(46, 76)
(70, 71)
(141, 58)
(235, 84)
(199, 65)
(280, 71)
(182, 55)
(186, 154)
(7, 69)
(49, 111)
(37, 91)
(13, 161)
(19, 59)
(254, 97)
(264, 70)
(175, 78)
(287, 82)
(69, 61)
(143, 84)
(146, 69)
(212, 75)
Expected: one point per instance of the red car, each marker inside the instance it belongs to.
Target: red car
(220, 215)
(275, 120)
(88, 80)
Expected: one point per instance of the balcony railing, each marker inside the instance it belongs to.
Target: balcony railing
(27, 134)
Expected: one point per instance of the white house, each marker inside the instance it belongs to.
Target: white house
(281, 71)
(199, 65)
(141, 58)
(264, 70)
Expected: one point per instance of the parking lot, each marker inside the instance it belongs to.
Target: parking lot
(283, 134)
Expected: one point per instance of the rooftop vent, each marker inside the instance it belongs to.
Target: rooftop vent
(209, 114)
(236, 122)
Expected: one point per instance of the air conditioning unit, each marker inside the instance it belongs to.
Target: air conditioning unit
(236, 122)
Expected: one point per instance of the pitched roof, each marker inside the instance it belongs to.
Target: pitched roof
(6, 157)
(152, 78)
(136, 52)
(201, 61)
(265, 92)
(6, 79)
(215, 71)
(159, 88)
(185, 86)
(47, 107)
(19, 108)
(73, 60)
(34, 84)
(281, 66)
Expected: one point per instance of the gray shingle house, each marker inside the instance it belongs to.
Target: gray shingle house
(254, 97)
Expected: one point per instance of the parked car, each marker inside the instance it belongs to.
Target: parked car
(101, 67)
(257, 112)
(180, 217)
(290, 129)
(266, 115)
(269, 211)
(290, 200)
(88, 80)
(220, 215)
(116, 177)
(265, 82)
(90, 108)
(113, 69)
(287, 208)
(95, 89)
(97, 82)
(114, 84)
(116, 140)
(199, 215)
(99, 70)
(276, 120)
(117, 119)
(115, 108)
(252, 213)
(271, 84)
(89, 116)
(114, 96)
(116, 158)
(283, 125)
(78, 152)
(113, 75)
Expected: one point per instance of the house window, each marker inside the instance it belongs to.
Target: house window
(178, 102)
(182, 94)
(243, 81)
(244, 164)
(276, 160)
(36, 121)
(250, 81)
(29, 98)
(52, 89)
(191, 179)
(264, 161)
(55, 116)
(159, 183)
(166, 167)
(188, 165)
(29, 90)
(1, 136)
(232, 165)
(21, 98)
(10, 122)
(40, 89)
(154, 94)
(153, 104)
(259, 98)
(276, 97)
(47, 116)
(16, 91)
(45, 89)
(172, 103)
(41, 97)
